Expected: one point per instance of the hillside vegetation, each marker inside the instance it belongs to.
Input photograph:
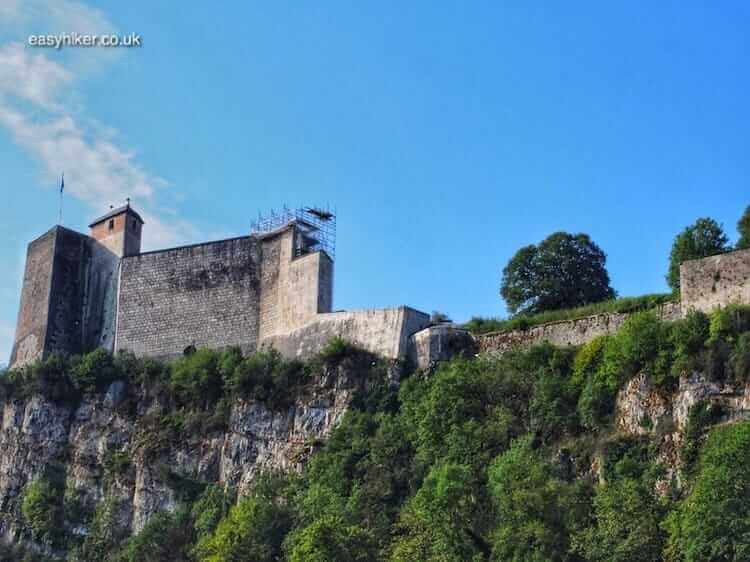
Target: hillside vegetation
(516, 458)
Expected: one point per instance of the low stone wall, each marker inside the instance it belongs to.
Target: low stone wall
(382, 331)
(566, 332)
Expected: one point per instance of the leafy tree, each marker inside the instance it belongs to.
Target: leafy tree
(444, 521)
(537, 511)
(331, 539)
(253, 530)
(627, 511)
(563, 271)
(713, 522)
(165, 538)
(699, 240)
(743, 227)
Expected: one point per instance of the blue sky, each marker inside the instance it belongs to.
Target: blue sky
(446, 135)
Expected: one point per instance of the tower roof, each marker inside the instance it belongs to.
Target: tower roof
(114, 212)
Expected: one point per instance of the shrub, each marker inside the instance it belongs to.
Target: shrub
(740, 358)
(41, 508)
(196, 379)
(253, 530)
(700, 416)
(94, 370)
(336, 350)
(166, 536)
(479, 325)
(713, 521)
(588, 359)
(727, 322)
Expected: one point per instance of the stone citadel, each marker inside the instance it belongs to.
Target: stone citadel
(273, 287)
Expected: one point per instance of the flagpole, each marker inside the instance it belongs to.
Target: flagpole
(62, 188)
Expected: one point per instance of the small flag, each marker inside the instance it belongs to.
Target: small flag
(62, 183)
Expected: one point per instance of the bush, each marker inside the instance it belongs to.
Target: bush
(41, 508)
(700, 416)
(713, 521)
(336, 350)
(253, 530)
(266, 376)
(196, 379)
(727, 322)
(740, 358)
(166, 536)
(94, 370)
(479, 325)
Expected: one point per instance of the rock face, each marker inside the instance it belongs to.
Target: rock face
(113, 446)
(642, 409)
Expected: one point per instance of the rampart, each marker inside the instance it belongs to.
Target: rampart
(205, 295)
(565, 332)
(382, 331)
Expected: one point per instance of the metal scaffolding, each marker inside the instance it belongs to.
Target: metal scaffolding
(316, 225)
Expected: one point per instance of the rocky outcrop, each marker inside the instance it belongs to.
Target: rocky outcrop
(643, 409)
(115, 446)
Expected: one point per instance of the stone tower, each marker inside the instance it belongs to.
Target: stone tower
(119, 231)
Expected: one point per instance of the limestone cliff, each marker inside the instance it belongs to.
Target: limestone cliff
(120, 446)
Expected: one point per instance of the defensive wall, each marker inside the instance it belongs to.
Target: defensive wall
(271, 288)
(705, 284)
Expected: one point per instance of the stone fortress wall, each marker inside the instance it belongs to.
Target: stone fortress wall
(704, 285)
(82, 292)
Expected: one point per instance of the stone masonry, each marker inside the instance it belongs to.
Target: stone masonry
(267, 289)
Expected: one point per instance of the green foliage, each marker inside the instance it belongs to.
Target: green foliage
(484, 459)
(94, 370)
(48, 378)
(701, 416)
(643, 343)
(728, 322)
(743, 227)
(627, 516)
(117, 463)
(104, 534)
(266, 376)
(703, 238)
(166, 537)
(330, 539)
(253, 530)
(713, 521)
(563, 271)
(479, 325)
(196, 379)
(336, 350)
(537, 511)
(444, 520)
(42, 508)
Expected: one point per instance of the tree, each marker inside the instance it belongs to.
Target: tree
(537, 511)
(699, 240)
(563, 271)
(713, 522)
(743, 227)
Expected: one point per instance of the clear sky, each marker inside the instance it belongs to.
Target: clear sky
(446, 135)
